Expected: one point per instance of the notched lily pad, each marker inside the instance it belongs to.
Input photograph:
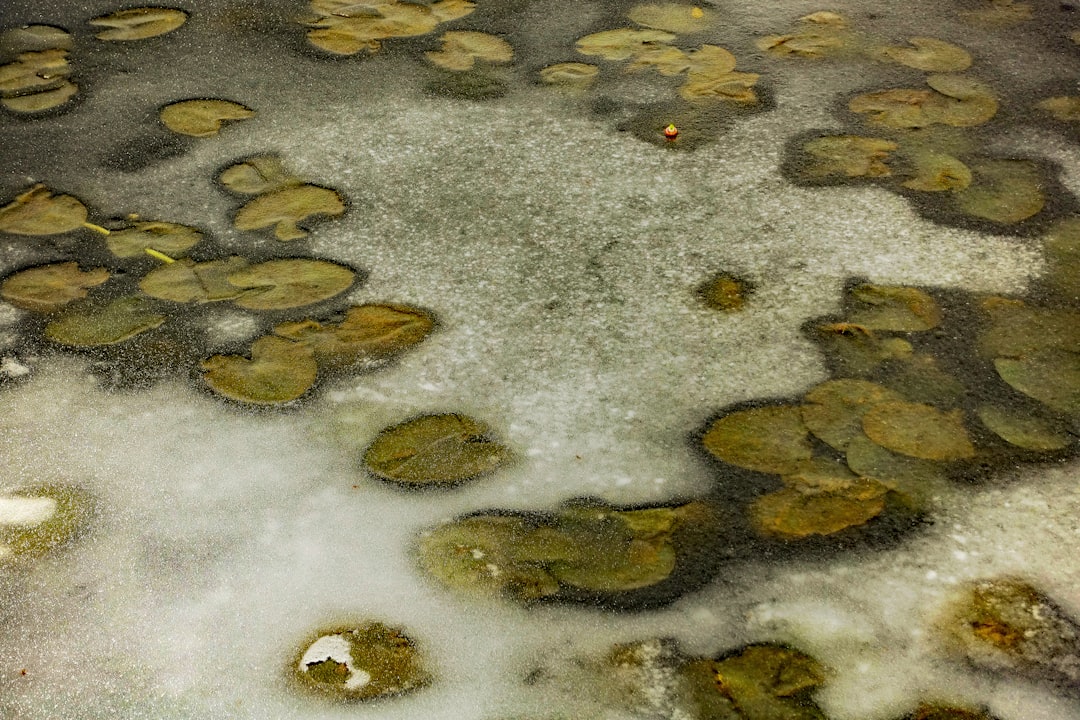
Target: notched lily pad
(257, 175)
(279, 371)
(894, 308)
(800, 510)
(1024, 430)
(36, 519)
(675, 17)
(186, 281)
(918, 430)
(938, 172)
(847, 156)
(462, 48)
(622, 44)
(1003, 191)
(369, 335)
(118, 321)
(286, 207)
(766, 439)
(289, 283)
(49, 287)
(169, 238)
(202, 118)
(435, 450)
(139, 23)
(1051, 376)
(931, 55)
(363, 662)
(834, 409)
(346, 28)
(38, 212)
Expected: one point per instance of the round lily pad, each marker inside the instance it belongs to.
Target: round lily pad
(38, 212)
(41, 101)
(918, 430)
(1017, 329)
(1061, 246)
(834, 409)
(798, 512)
(938, 172)
(571, 75)
(894, 308)
(202, 118)
(279, 371)
(289, 283)
(165, 237)
(368, 334)
(37, 519)
(767, 439)
(931, 55)
(257, 175)
(622, 44)
(462, 48)
(362, 662)
(50, 287)
(819, 35)
(139, 23)
(1065, 108)
(674, 17)
(1024, 430)
(345, 28)
(286, 207)
(710, 75)
(33, 38)
(435, 450)
(186, 281)
(120, 320)
(1052, 377)
(1003, 191)
(847, 156)
(912, 476)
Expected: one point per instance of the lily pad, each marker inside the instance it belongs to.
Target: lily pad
(856, 349)
(369, 334)
(186, 281)
(938, 172)
(32, 38)
(289, 283)
(139, 23)
(362, 662)
(34, 72)
(462, 48)
(622, 44)
(435, 450)
(665, 59)
(919, 378)
(120, 320)
(1003, 191)
(257, 175)
(1061, 246)
(1051, 376)
(1024, 430)
(41, 101)
(848, 156)
(911, 476)
(49, 287)
(999, 13)
(285, 207)
(202, 118)
(570, 75)
(954, 100)
(346, 28)
(38, 212)
(36, 519)
(1018, 329)
(165, 237)
(766, 439)
(931, 55)
(675, 17)
(725, 292)
(819, 35)
(800, 511)
(895, 308)
(278, 371)
(918, 430)
(1065, 108)
(834, 409)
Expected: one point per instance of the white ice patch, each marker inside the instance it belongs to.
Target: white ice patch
(13, 368)
(26, 510)
(339, 649)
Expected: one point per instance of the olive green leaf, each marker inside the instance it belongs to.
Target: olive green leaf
(622, 44)
(257, 175)
(139, 23)
(938, 172)
(570, 75)
(918, 430)
(50, 287)
(954, 100)
(674, 17)
(1050, 376)
(369, 334)
(362, 662)
(1061, 246)
(800, 511)
(278, 371)
(41, 101)
(1024, 430)
(857, 349)
(711, 76)
(186, 281)
(1017, 329)
(818, 35)
(847, 156)
(38, 212)
(1003, 191)
(834, 409)
(287, 206)
(767, 439)
(33, 72)
(202, 118)
(165, 237)
(894, 308)
(118, 321)
(435, 450)
(34, 38)
(290, 282)
(911, 476)
(345, 28)
(1065, 108)
(462, 48)
(931, 55)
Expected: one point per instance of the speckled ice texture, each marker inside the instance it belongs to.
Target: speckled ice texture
(560, 257)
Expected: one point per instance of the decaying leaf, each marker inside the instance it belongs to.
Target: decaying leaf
(622, 44)
(834, 409)
(725, 292)
(674, 17)
(285, 207)
(38, 212)
(1024, 430)
(288, 283)
(139, 23)
(363, 662)
(186, 281)
(118, 321)
(953, 100)
(938, 172)
(33, 72)
(165, 237)
(38, 518)
(1050, 376)
(257, 175)
(571, 75)
(346, 28)
(1062, 107)
(279, 371)
(1003, 191)
(435, 450)
(462, 48)
(848, 156)
(800, 511)
(894, 308)
(202, 118)
(369, 335)
(766, 439)
(931, 55)
(49, 287)
(818, 35)
(918, 430)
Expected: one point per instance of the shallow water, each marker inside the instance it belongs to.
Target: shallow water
(559, 241)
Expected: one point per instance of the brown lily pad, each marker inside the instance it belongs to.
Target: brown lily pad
(257, 175)
(911, 476)
(38, 212)
(165, 237)
(1065, 108)
(462, 48)
(848, 156)
(50, 287)
(938, 172)
(799, 512)
(279, 371)
(118, 321)
(858, 350)
(289, 283)
(202, 118)
(834, 409)
(895, 308)
(725, 292)
(766, 439)
(345, 28)
(1017, 329)
(435, 450)
(918, 430)
(954, 100)
(139, 23)
(286, 207)
(368, 335)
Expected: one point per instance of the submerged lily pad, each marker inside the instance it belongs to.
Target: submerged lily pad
(570, 75)
(999, 13)
(186, 281)
(41, 101)
(165, 237)
(800, 510)
(118, 321)
(462, 48)
(895, 308)
(345, 28)
(858, 350)
(202, 118)
(1003, 191)
(257, 175)
(819, 35)
(435, 450)
(363, 662)
(622, 44)
(33, 38)
(1024, 430)
(139, 23)
(278, 371)
(766, 439)
(38, 212)
(1061, 246)
(1051, 376)
(1017, 329)
(1063, 107)
(911, 476)
(918, 430)
(36, 519)
(931, 55)
(50, 287)
(834, 409)
(725, 292)
(848, 156)
(289, 283)
(369, 334)
(33, 72)
(287, 206)
(937, 172)
(674, 17)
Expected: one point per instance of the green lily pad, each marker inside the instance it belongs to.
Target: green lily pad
(920, 379)
(187, 281)
(931, 55)
(165, 237)
(49, 287)
(856, 349)
(623, 44)
(953, 100)
(278, 371)
(918, 430)
(1003, 191)
(202, 118)
(41, 101)
(369, 334)
(34, 72)
(38, 212)
(821, 502)
(462, 48)
(1018, 329)
(139, 23)
(343, 27)
(834, 409)
(120, 320)
(894, 308)
(913, 477)
(435, 450)
(710, 75)
(36, 519)
(767, 439)
(287, 206)
(289, 283)
(363, 662)
(34, 38)
(257, 175)
(1024, 430)
(847, 156)
(675, 17)
(938, 172)
(1052, 377)
(1061, 246)
(725, 292)
(819, 35)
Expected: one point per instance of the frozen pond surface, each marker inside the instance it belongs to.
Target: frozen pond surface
(560, 242)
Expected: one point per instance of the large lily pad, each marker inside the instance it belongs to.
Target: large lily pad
(1024, 430)
(289, 283)
(286, 207)
(766, 439)
(938, 172)
(818, 35)
(919, 378)
(36, 519)
(918, 430)
(800, 511)
(139, 23)
(33, 72)
(120, 320)
(1003, 191)
(38, 212)
(911, 476)
(931, 55)
(1051, 376)
(435, 450)
(186, 281)
(1017, 329)
(202, 118)
(622, 44)
(462, 48)
(834, 409)
(279, 371)
(369, 334)
(857, 349)
(675, 17)
(952, 100)
(706, 81)
(345, 28)
(165, 237)
(50, 287)
(41, 101)
(894, 308)
(361, 662)
(257, 175)
(848, 156)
